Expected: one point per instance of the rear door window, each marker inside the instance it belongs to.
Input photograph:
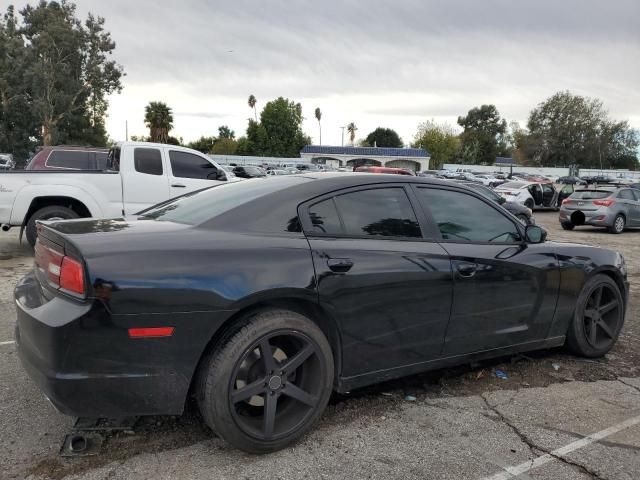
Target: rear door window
(626, 195)
(148, 160)
(378, 212)
(188, 165)
(69, 159)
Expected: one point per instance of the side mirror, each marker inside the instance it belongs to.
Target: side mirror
(534, 234)
(221, 175)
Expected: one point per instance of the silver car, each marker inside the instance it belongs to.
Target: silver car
(613, 208)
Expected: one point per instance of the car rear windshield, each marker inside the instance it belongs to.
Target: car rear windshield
(590, 194)
(203, 205)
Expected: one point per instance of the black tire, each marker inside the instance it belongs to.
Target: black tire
(598, 318)
(567, 226)
(237, 366)
(523, 218)
(46, 213)
(529, 204)
(618, 224)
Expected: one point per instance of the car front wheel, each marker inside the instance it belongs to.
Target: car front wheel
(269, 383)
(598, 318)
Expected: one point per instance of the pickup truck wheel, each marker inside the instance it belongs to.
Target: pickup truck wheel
(267, 384)
(52, 212)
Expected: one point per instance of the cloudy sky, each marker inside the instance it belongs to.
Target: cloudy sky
(376, 63)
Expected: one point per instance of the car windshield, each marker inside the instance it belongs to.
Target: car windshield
(590, 194)
(198, 207)
(513, 185)
(254, 170)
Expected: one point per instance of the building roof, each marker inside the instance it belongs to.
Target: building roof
(365, 151)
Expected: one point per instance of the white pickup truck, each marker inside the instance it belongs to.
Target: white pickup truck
(138, 175)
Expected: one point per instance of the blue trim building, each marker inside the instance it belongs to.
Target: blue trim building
(412, 158)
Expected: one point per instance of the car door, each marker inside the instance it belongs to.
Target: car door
(504, 290)
(630, 206)
(636, 207)
(144, 178)
(549, 195)
(388, 288)
(191, 172)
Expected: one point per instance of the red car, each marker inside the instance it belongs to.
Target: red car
(397, 171)
(69, 158)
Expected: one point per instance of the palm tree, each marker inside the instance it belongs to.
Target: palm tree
(318, 117)
(252, 104)
(351, 128)
(158, 118)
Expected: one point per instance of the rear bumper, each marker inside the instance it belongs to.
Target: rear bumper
(86, 364)
(596, 218)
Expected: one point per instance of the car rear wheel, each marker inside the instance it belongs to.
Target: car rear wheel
(523, 218)
(269, 383)
(618, 224)
(53, 212)
(598, 318)
(567, 226)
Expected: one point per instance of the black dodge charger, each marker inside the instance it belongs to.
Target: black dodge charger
(262, 297)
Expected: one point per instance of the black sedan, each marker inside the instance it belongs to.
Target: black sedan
(262, 297)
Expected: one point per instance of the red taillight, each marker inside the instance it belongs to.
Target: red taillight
(61, 271)
(150, 332)
(603, 203)
(565, 201)
(72, 276)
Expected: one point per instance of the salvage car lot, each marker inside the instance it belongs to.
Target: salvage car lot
(464, 423)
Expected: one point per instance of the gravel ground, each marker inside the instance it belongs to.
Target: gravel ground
(464, 423)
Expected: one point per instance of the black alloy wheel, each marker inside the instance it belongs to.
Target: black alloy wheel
(268, 382)
(598, 319)
(273, 388)
(601, 317)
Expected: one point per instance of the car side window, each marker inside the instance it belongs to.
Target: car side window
(547, 188)
(626, 195)
(463, 217)
(188, 165)
(378, 212)
(324, 217)
(148, 160)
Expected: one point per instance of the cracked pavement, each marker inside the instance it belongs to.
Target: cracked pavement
(465, 423)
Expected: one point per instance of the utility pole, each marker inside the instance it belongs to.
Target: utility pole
(343, 134)
(126, 130)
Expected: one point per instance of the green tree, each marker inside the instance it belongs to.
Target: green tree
(18, 125)
(352, 129)
(383, 137)
(279, 132)
(225, 132)
(318, 114)
(483, 134)
(252, 104)
(440, 140)
(203, 144)
(569, 129)
(69, 73)
(158, 118)
(225, 146)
